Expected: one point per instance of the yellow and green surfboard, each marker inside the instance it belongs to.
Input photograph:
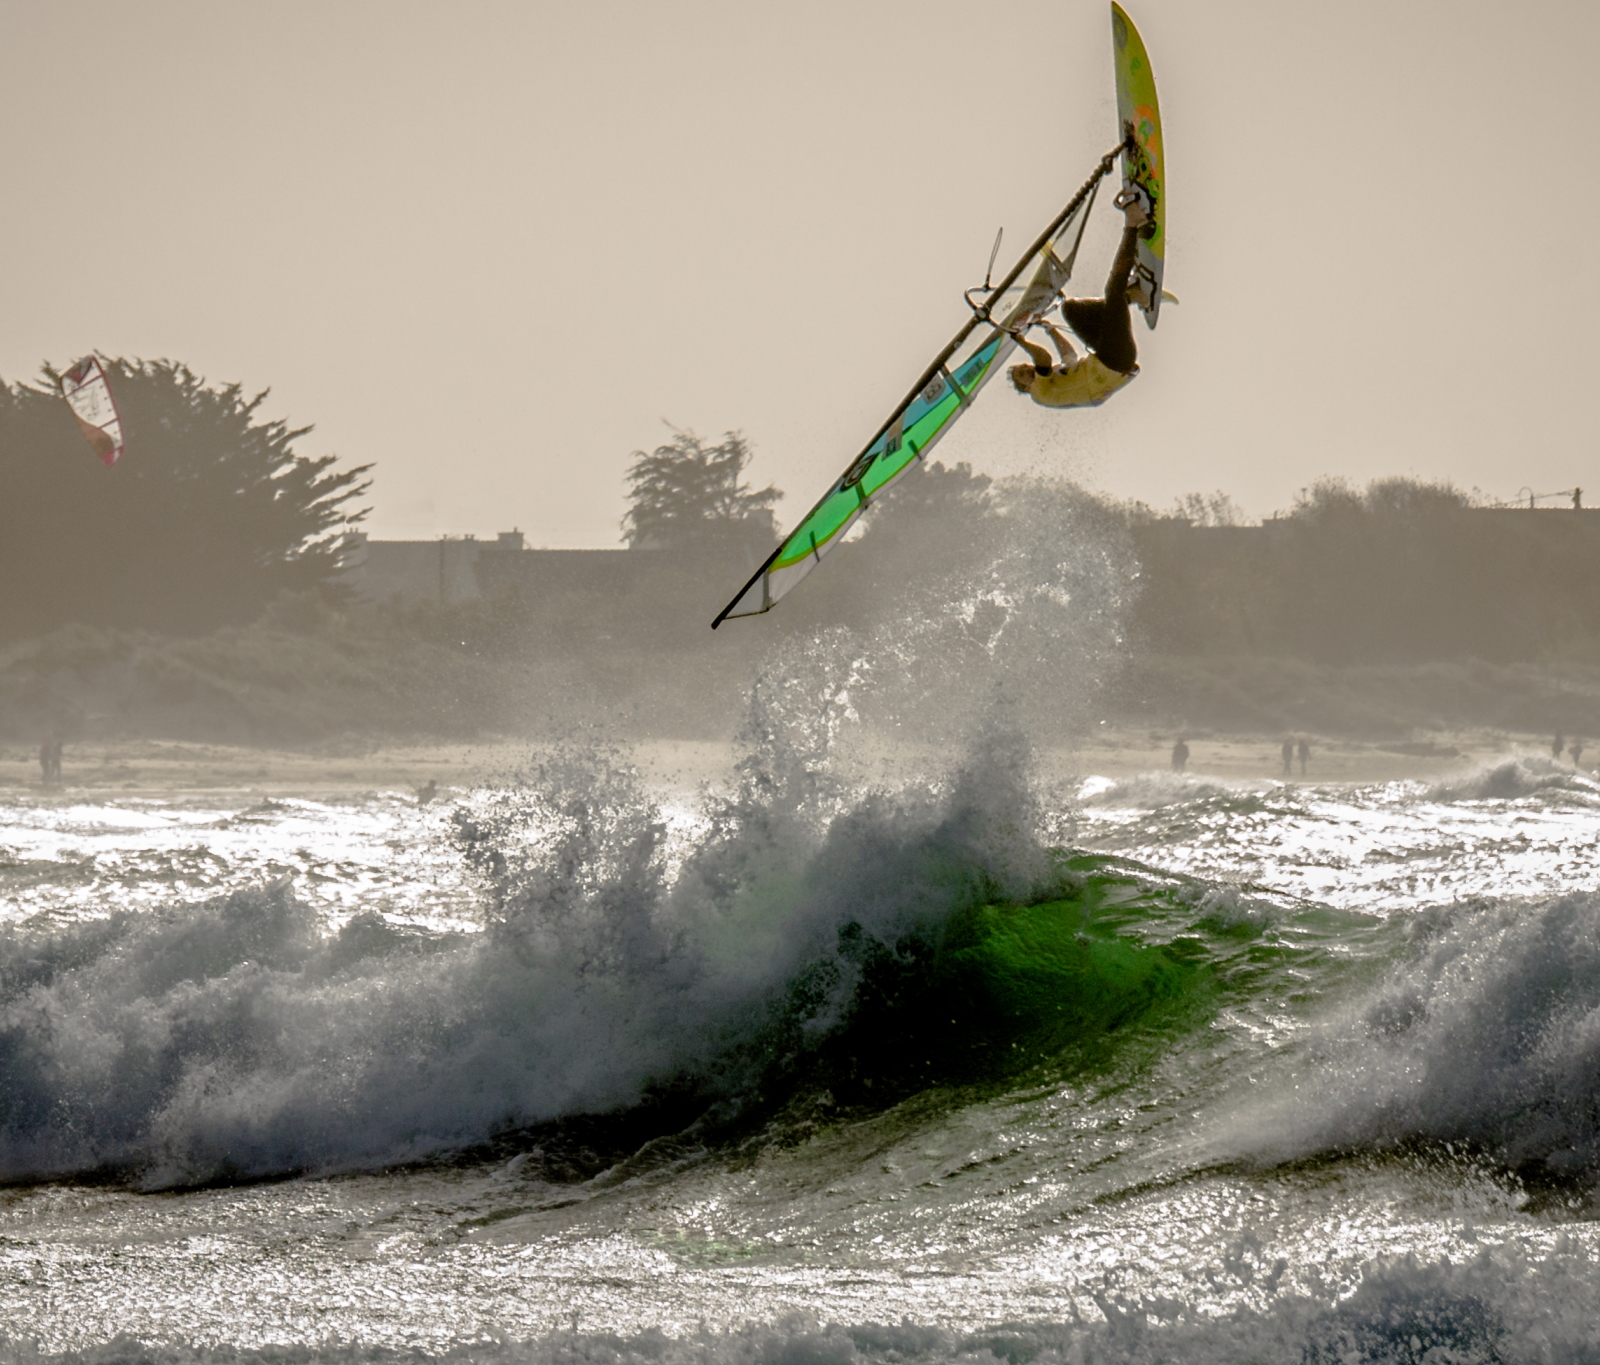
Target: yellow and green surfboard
(1143, 162)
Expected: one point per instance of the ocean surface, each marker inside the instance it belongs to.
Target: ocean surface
(793, 1069)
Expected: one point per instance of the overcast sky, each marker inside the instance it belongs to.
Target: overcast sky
(491, 246)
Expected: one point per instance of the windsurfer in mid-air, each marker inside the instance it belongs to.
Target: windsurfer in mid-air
(1004, 314)
(1103, 325)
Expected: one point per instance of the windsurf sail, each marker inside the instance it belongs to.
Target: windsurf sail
(946, 389)
(88, 393)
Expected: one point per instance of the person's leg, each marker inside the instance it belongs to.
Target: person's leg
(1086, 317)
(1122, 266)
(1116, 347)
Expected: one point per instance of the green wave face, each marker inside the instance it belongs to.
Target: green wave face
(1119, 963)
(1039, 979)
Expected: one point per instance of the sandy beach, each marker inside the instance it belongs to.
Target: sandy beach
(155, 766)
(1123, 752)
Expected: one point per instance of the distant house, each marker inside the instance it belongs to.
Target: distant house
(459, 568)
(442, 570)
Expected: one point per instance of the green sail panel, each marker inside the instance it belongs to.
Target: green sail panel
(893, 452)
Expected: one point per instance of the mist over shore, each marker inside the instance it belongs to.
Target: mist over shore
(1352, 619)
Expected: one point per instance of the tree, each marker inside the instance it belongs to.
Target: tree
(688, 495)
(1393, 572)
(1216, 510)
(206, 519)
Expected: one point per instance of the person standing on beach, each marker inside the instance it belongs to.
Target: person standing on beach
(50, 759)
(1305, 753)
(1180, 756)
(1556, 746)
(1288, 758)
(1576, 750)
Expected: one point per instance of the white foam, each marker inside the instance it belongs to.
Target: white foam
(625, 947)
(1488, 1033)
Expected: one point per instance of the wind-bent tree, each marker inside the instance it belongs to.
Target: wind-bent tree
(689, 495)
(208, 516)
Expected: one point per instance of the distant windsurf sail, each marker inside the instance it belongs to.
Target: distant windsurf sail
(88, 393)
(945, 390)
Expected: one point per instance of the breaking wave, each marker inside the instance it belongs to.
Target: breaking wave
(699, 970)
(1487, 1033)
(1513, 778)
(788, 945)
(1154, 790)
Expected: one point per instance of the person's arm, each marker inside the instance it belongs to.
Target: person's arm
(1064, 346)
(1041, 357)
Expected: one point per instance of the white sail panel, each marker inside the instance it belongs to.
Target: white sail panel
(88, 393)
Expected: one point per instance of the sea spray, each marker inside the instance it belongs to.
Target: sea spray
(230, 1039)
(777, 946)
(1025, 608)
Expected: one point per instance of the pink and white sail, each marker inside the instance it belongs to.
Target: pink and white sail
(88, 394)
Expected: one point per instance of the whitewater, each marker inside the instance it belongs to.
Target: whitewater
(901, 1036)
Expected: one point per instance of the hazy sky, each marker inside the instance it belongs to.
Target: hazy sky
(490, 246)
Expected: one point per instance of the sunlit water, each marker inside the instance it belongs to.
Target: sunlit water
(312, 1074)
(67, 859)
